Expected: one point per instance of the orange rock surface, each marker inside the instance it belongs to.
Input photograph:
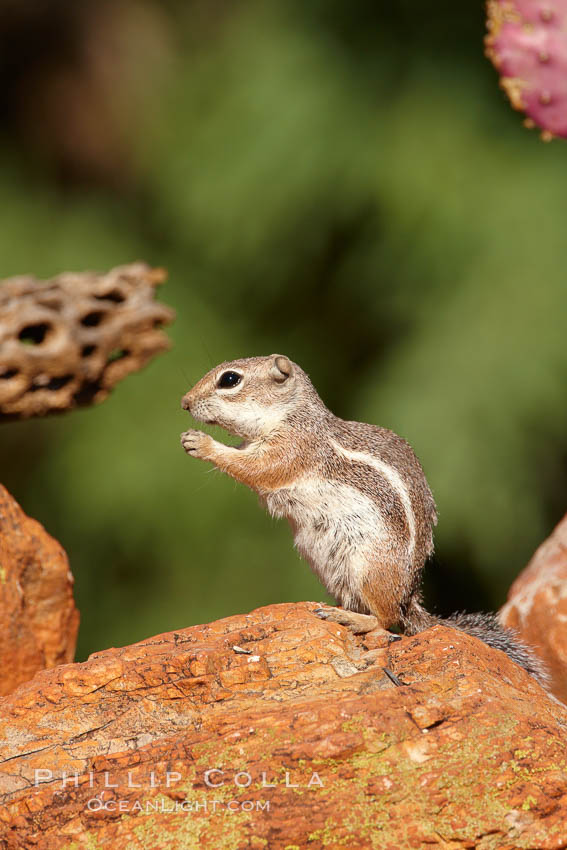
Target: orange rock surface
(278, 730)
(38, 618)
(537, 606)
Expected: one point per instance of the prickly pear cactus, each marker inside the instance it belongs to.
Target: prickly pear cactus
(527, 43)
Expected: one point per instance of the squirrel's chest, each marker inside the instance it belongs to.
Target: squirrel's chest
(336, 528)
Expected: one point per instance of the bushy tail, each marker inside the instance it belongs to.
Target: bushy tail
(487, 628)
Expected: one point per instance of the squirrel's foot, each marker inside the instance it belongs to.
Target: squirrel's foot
(357, 623)
(196, 443)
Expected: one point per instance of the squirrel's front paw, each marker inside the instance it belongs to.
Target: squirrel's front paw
(195, 443)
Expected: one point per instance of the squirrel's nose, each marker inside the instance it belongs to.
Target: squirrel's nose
(186, 402)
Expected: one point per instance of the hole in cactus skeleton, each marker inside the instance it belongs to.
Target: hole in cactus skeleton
(113, 295)
(92, 319)
(117, 354)
(9, 373)
(59, 382)
(34, 334)
(87, 350)
(53, 384)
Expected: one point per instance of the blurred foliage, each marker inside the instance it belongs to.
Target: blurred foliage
(341, 182)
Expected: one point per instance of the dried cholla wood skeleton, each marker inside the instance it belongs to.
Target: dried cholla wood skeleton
(67, 341)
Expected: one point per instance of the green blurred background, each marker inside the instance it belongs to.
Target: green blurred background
(339, 181)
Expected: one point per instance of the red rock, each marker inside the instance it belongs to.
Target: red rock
(38, 618)
(537, 606)
(310, 744)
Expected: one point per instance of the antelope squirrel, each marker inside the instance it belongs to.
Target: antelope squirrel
(355, 495)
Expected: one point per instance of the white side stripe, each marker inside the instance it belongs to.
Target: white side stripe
(392, 477)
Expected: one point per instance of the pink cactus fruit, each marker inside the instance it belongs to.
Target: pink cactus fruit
(527, 43)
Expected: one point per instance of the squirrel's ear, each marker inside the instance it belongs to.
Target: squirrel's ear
(281, 369)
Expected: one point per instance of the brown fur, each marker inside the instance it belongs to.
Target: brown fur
(267, 470)
(382, 587)
(297, 446)
(364, 524)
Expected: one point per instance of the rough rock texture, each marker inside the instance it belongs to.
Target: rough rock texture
(38, 618)
(310, 744)
(537, 606)
(527, 43)
(67, 341)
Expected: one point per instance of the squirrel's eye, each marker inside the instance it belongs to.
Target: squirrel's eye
(228, 379)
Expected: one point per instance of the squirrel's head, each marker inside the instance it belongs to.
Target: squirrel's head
(252, 397)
